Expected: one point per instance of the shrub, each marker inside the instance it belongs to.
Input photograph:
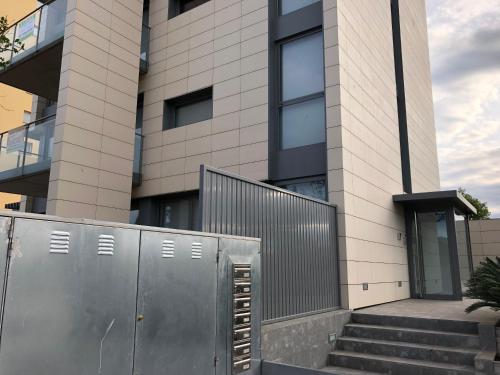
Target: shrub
(484, 285)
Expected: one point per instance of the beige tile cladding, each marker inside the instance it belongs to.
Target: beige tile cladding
(364, 167)
(91, 174)
(485, 239)
(224, 44)
(418, 91)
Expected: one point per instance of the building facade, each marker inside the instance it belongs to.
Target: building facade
(330, 99)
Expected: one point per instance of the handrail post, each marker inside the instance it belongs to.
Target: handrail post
(39, 25)
(13, 43)
(25, 148)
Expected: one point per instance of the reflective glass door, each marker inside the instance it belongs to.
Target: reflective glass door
(436, 260)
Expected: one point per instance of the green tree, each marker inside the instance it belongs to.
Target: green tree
(7, 45)
(484, 285)
(483, 212)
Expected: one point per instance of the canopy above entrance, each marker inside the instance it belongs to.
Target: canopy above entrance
(436, 200)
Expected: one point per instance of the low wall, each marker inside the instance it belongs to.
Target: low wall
(485, 239)
(303, 341)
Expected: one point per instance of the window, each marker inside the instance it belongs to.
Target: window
(180, 212)
(188, 109)
(139, 114)
(289, 6)
(313, 187)
(302, 105)
(180, 6)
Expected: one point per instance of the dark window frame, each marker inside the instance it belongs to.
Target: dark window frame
(309, 160)
(176, 7)
(192, 197)
(303, 99)
(170, 106)
(280, 10)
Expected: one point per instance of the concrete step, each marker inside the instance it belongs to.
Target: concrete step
(346, 371)
(395, 365)
(418, 323)
(420, 352)
(412, 335)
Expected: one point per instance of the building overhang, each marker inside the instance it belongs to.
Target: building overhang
(436, 200)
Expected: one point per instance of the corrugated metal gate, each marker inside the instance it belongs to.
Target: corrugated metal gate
(299, 240)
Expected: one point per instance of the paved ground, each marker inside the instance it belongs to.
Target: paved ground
(449, 310)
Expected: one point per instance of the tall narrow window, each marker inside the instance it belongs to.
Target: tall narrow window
(302, 105)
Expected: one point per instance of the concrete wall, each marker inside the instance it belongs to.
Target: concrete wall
(224, 44)
(485, 239)
(418, 92)
(364, 164)
(91, 173)
(304, 341)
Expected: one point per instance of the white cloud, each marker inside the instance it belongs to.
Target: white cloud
(464, 39)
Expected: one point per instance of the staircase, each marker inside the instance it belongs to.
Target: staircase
(378, 344)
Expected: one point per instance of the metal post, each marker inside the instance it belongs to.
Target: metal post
(13, 43)
(25, 146)
(39, 27)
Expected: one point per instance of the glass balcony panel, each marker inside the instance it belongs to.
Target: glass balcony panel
(53, 20)
(27, 146)
(12, 149)
(6, 55)
(144, 58)
(137, 154)
(39, 142)
(39, 29)
(27, 33)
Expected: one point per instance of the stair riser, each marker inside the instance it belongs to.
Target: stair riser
(392, 368)
(417, 323)
(432, 355)
(426, 338)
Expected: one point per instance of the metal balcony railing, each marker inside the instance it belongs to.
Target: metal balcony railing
(27, 149)
(145, 38)
(37, 30)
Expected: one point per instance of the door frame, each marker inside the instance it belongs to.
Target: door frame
(419, 276)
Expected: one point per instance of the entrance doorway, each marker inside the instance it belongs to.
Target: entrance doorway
(439, 252)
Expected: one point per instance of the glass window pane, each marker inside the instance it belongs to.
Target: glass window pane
(186, 5)
(288, 6)
(303, 124)
(313, 189)
(192, 113)
(302, 67)
(434, 245)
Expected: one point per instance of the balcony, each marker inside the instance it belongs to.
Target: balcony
(25, 157)
(36, 68)
(144, 59)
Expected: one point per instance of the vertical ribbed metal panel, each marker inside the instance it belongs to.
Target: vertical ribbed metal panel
(299, 240)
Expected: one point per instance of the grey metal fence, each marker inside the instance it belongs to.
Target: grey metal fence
(299, 240)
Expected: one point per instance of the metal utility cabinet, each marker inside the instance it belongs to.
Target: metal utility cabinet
(81, 297)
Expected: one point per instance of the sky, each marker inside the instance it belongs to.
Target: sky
(464, 43)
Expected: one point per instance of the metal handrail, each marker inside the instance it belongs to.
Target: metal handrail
(36, 122)
(29, 14)
(13, 28)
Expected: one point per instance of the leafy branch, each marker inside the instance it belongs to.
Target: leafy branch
(6, 44)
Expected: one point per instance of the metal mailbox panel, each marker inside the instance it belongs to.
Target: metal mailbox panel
(70, 300)
(4, 246)
(176, 305)
(232, 301)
